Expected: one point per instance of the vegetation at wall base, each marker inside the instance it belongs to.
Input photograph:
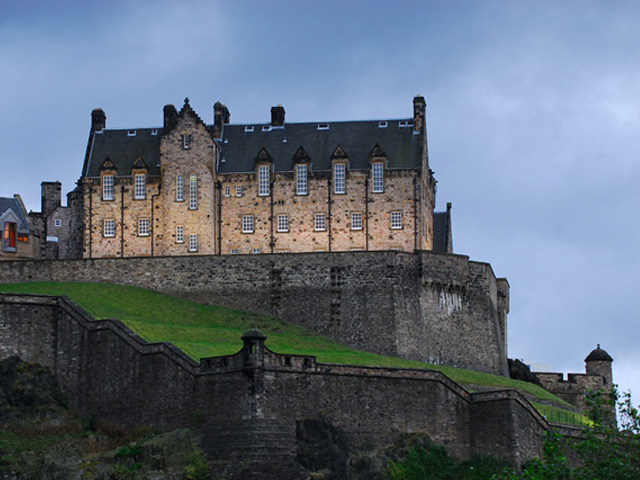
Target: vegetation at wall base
(205, 331)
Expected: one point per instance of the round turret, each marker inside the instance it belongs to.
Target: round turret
(598, 362)
(598, 355)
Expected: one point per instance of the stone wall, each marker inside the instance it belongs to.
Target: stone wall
(433, 307)
(247, 406)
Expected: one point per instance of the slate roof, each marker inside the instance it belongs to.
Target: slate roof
(239, 147)
(12, 203)
(123, 149)
(598, 354)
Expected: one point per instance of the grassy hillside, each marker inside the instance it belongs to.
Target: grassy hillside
(204, 331)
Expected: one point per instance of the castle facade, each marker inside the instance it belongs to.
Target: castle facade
(189, 188)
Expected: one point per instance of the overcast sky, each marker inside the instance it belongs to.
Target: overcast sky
(532, 115)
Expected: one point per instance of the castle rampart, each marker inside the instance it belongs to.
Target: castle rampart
(440, 308)
(251, 403)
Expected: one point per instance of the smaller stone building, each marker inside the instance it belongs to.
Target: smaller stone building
(18, 239)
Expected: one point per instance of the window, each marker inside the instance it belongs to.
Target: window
(143, 227)
(140, 180)
(319, 222)
(23, 238)
(263, 180)
(107, 187)
(131, 133)
(57, 222)
(238, 191)
(339, 178)
(323, 126)
(382, 124)
(9, 236)
(301, 179)
(109, 228)
(193, 243)
(179, 188)
(247, 224)
(396, 220)
(234, 251)
(227, 191)
(179, 234)
(186, 142)
(283, 223)
(356, 221)
(255, 250)
(378, 178)
(193, 192)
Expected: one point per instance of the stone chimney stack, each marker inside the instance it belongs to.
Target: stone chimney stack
(98, 120)
(221, 117)
(51, 197)
(277, 116)
(170, 116)
(419, 110)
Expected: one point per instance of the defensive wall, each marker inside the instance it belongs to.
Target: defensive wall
(439, 308)
(251, 405)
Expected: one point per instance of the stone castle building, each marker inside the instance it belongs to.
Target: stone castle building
(18, 234)
(190, 188)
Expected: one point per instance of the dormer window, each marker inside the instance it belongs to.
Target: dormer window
(248, 129)
(186, 142)
(263, 180)
(107, 187)
(301, 179)
(405, 123)
(377, 177)
(154, 131)
(131, 133)
(266, 128)
(323, 126)
(339, 173)
(9, 236)
(140, 186)
(383, 124)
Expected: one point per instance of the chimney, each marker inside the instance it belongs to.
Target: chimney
(419, 108)
(221, 117)
(277, 116)
(98, 120)
(170, 115)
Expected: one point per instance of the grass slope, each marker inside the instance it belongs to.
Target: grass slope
(205, 331)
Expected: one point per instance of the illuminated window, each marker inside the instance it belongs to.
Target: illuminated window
(319, 222)
(109, 228)
(140, 190)
(107, 187)
(339, 178)
(301, 179)
(143, 227)
(396, 220)
(263, 180)
(378, 177)
(283, 223)
(179, 234)
(356, 221)
(9, 236)
(193, 192)
(179, 188)
(247, 224)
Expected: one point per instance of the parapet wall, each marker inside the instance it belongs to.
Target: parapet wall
(439, 308)
(251, 403)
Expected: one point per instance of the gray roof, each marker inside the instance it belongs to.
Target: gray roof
(123, 148)
(12, 203)
(239, 147)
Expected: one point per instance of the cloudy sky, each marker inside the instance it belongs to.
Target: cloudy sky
(533, 112)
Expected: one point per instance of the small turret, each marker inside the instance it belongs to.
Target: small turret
(598, 362)
(253, 349)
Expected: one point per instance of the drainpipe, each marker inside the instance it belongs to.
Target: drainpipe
(272, 243)
(366, 213)
(329, 211)
(219, 189)
(90, 219)
(121, 221)
(152, 219)
(415, 214)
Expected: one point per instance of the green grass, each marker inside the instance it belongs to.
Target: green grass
(205, 331)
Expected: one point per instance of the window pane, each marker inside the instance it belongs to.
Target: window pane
(339, 178)
(396, 220)
(263, 180)
(356, 221)
(179, 234)
(179, 188)
(193, 243)
(283, 223)
(301, 180)
(143, 227)
(319, 222)
(107, 187)
(247, 224)
(193, 192)
(378, 179)
(140, 186)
